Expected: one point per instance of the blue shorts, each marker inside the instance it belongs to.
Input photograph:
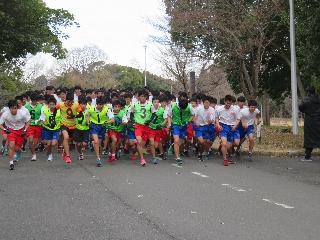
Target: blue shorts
(130, 134)
(228, 133)
(246, 131)
(47, 134)
(194, 127)
(178, 130)
(124, 132)
(206, 132)
(99, 129)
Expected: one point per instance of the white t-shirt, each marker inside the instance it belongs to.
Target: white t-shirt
(228, 116)
(248, 117)
(203, 115)
(165, 113)
(243, 107)
(15, 122)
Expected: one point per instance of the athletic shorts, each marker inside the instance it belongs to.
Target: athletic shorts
(158, 134)
(81, 136)
(228, 133)
(15, 135)
(34, 131)
(114, 133)
(206, 132)
(141, 131)
(124, 132)
(246, 131)
(189, 131)
(47, 134)
(69, 130)
(130, 134)
(99, 129)
(178, 130)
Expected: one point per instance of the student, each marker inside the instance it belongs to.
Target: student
(34, 131)
(157, 124)
(97, 117)
(17, 124)
(50, 119)
(205, 134)
(247, 117)
(141, 111)
(82, 131)
(227, 120)
(116, 128)
(179, 117)
(68, 109)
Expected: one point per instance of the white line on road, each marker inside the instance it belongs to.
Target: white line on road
(200, 174)
(278, 204)
(176, 165)
(232, 187)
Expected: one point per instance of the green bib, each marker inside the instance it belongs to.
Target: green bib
(142, 113)
(35, 113)
(158, 119)
(179, 116)
(81, 123)
(49, 118)
(99, 117)
(117, 127)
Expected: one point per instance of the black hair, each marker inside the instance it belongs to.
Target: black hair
(146, 88)
(89, 99)
(70, 96)
(233, 99)
(49, 88)
(24, 95)
(47, 96)
(183, 103)
(193, 99)
(100, 100)
(183, 94)
(19, 98)
(122, 102)
(221, 101)
(228, 98)
(127, 95)
(206, 98)
(114, 94)
(163, 98)
(213, 100)
(40, 97)
(252, 103)
(12, 103)
(63, 90)
(34, 97)
(107, 99)
(155, 92)
(83, 100)
(155, 98)
(143, 92)
(311, 90)
(52, 99)
(241, 99)
(89, 91)
(115, 102)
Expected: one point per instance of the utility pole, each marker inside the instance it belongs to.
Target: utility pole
(145, 65)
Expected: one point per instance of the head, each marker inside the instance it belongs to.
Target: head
(88, 100)
(206, 102)
(49, 90)
(233, 100)
(163, 99)
(252, 104)
(116, 106)
(193, 102)
(213, 102)
(127, 97)
(155, 102)
(227, 101)
(13, 106)
(83, 103)
(24, 99)
(143, 94)
(241, 100)
(183, 95)
(183, 103)
(63, 94)
(100, 93)
(77, 90)
(114, 96)
(52, 103)
(100, 102)
(310, 90)
(69, 99)
(34, 99)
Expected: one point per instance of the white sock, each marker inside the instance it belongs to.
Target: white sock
(11, 161)
(34, 156)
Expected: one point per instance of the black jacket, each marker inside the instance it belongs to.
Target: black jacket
(311, 107)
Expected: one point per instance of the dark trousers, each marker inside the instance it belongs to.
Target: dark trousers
(308, 153)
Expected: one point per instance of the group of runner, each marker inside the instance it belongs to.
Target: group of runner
(114, 122)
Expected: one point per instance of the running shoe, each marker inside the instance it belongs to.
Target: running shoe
(237, 154)
(98, 162)
(250, 156)
(142, 162)
(59, 149)
(2, 150)
(113, 158)
(64, 156)
(91, 146)
(225, 162)
(68, 159)
(200, 157)
(133, 156)
(154, 160)
(11, 166)
(109, 158)
(81, 157)
(306, 159)
(208, 155)
(49, 158)
(162, 156)
(23, 149)
(230, 160)
(34, 158)
(185, 153)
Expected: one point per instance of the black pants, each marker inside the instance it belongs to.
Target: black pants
(308, 153)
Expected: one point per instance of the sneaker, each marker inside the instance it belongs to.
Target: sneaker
(34, 158)
(179, 161)
(154, 160)
(225, 162)
(125, 151)
(11, 166)
(119, 154)
(306, 159)
(208, 155)
(103, 152)
(81, 157)
(230, 160)
(142, 162)
(109, 157)
(237, 154)
(64, 156)
(98, 162)
(2, 150)
(185, 153)
(250, 156)
(36, 149)
(68, 159)
(196, 150)
(16, 156)
(200, 158)
(50, 157)
(6, 152)
(162, 156)
(41, 147)
(72, 147)
(133, 156)
(91, 146)
(23, 149)
(113, 158)
(59, 149)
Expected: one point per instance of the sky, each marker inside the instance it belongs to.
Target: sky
(118, 27)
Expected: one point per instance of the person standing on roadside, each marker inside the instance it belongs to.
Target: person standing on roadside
(310, 106)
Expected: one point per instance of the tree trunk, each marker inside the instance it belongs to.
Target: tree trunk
(265, 109)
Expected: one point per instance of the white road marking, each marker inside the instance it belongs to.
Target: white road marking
(200, 174)
(232, 187)
(176, 165)
(278, 204)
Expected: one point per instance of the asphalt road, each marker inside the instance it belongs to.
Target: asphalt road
(269, 198)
